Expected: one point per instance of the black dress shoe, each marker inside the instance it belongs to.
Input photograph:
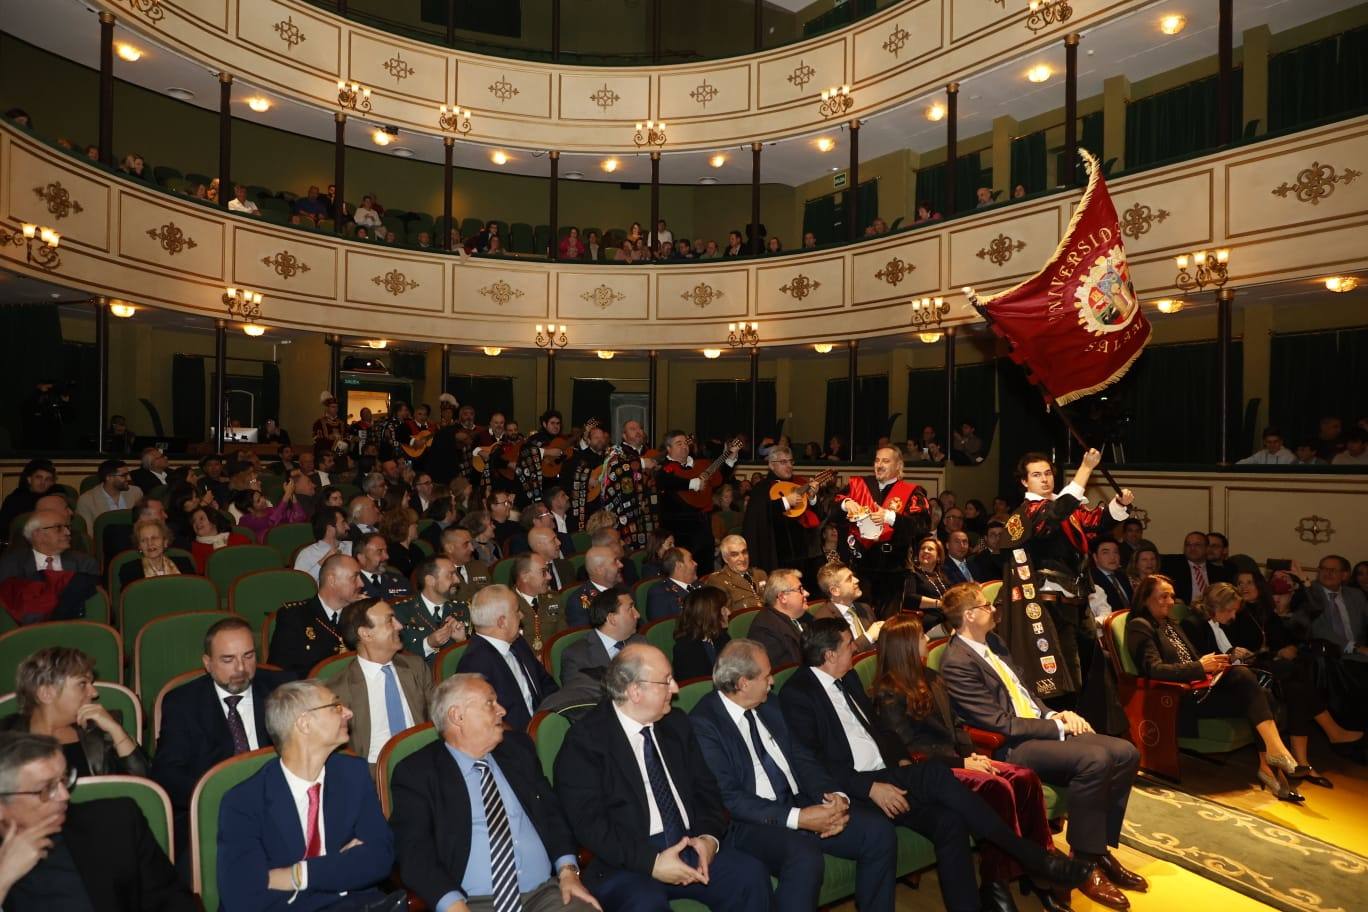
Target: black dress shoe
(996, 896)
(1050, 902)
(1063, 870)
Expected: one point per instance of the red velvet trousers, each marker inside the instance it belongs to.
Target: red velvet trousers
(1015, 793)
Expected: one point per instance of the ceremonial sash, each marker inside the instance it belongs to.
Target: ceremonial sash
(1023, 623)
(900, 495)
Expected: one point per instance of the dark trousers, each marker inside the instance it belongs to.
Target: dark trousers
(1237, 693)
(693, 531)
(1098, 770)
(795, 858)
(737, 882)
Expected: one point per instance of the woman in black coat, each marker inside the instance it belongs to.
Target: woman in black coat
(1163, 652)
(700, 633)
(927, 582)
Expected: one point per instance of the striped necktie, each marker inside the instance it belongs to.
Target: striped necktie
(503, 866)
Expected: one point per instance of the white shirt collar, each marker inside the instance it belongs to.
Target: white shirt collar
(368, 668)
(823, 678)
(504, 648)
(41, 559)
(680, 583)
(432, 607)
(223, 696)
(299, 786)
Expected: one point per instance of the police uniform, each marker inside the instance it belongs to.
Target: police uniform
(419, 622)
(470, 579)
(304, 635)
(384, 585)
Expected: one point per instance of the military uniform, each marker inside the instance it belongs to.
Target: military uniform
(470, 579)
(304, 635)
(541, 620)
(419, 622)
(744, 591)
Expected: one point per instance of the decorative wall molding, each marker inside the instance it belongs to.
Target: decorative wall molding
(58, 200)
(1316, 183)
(172, 238)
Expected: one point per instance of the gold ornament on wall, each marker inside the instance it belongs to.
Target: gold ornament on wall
(800, 286)
(1316, 183)
(288, 32)
(395, 282)
(603, 297)
(896, 270)
(58, 200)
(172, 238)
(802, 74)
(501, 292)
(605, 98)
(286, 264)
(152, 9)
(701, 294)
(1315, 530)
(1000, 250)
(704, 93)
(1138, 219)
(398, 67)
(897, 40)
(503, 89)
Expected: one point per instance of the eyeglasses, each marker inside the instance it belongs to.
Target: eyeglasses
(335, 705)
(667, 682)
(50, 791)
(984, 605)
(65, 526)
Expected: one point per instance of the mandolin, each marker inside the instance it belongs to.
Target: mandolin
(706, 472)
(799, 492)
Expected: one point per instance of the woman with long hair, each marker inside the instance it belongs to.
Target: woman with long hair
(1144, 563)
(1163, 652)
(910, 701)
(657, 543)
(700, 633)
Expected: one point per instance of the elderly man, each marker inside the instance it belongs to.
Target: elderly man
(666, 599)
(560, 572)
(612, 540)
(305, 832)
(603, 566)
(364, 515)
(151, 471)
(541, 616)
(98, 855)
(779, 628)
(785, 809)
(433, 619)
(499, 652)
(372, 554)
(46, 581)
(667, 847)
(330, 531)
(307, 631)
(476, 824)
(958, 567)
(744, 584)
(114, 492)
(213, 717)
(614, 617)
(386, 690)
(843, 591)
(780, 540)
(1190, 571)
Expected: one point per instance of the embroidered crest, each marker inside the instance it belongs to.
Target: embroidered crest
(1019, 554)
(1048, 663)
(896, 505)
(1023, 573)
(1045, 686)
(1016, 593)
(1015, 529)
(310, 633)
(1028, 590)
(1033, 611)
(1105, 298)
(1043, 644)
(1037, 628)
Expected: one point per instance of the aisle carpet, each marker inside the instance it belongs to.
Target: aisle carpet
(1274, 865)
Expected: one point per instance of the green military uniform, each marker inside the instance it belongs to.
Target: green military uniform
(419, 622)
(541, 620)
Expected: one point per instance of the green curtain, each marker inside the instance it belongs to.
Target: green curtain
(1314, 374)
(969, 176)
(1317, 81)
(931, 187)
(188, 402)
(1179, 122)
(722, 408)
(32, 338)
(871, 410)
(825, 216)
(1028, 162)
(975, 399)
(819, 217)
(270, 391)
(487, 394)
(590, 399)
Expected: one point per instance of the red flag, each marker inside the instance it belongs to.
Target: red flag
(1076, 326)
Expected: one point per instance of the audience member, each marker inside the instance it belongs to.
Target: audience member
(613, 617)
(1273, 452)
(927, 583)
(779, 628)
(983, 197)
(433, 619)
(1190, 572)
(604, 569)
(307, 632)
(35, 480)
(114, 492)
(743, 584)
(46, 581)
(666, 598)
(385, 689)
(240, 202)
(1355, 449)
(700, 633)
(366, 214)
(152, 538)
(152, 470)
(842, 589)
(212, 531)
(541, 617)
(1338, 617)
(472, 574)
(926, 212)
(330, 532)
(372, 554)
(503, 657)
(399, 527)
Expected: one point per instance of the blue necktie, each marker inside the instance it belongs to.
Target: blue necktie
(394, 701)
(670, 818)
(778, 781)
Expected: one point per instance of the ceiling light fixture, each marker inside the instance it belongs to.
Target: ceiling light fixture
(499, 157)
(1172, 25)
(823, 348)
(1168, 305)
(381, 138)
(929, 338)
(122, 309)
(1039, 73)
(492, 350)
(610, 165)
(711, 353)
(826, 144)
(259, 104)
(180, 94)
(1341, 284)
(936, 113)
(128, 52)
(254, 329)
(605, 355)
(718, 160)
(377, 343)
(707, 181)
(573, 175)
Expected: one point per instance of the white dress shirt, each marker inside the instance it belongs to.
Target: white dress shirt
(863, 748)
(299, 791)
(561, 527)
(981, 649)
(1118, 513)
(632, 728)
(519, 673)
(374, 673)
(310, 557)
(431, 608)
(763, 787)
(857, 628)
(41, 559)
(245, 709)
(609, 643)
(1223, 644)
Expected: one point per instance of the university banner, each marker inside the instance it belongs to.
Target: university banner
(1075, 326)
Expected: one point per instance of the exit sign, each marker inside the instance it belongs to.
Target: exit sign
(839, 181)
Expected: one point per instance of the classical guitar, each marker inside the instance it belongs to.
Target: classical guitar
(706, 472)
(419, 444)
(799, 492)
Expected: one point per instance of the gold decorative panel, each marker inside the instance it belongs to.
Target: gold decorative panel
(997, 241)
(693, 295)
(283, 261)
(389, 281)
(34, 189)
(499, 293)
(611, 294)
(173, 237)
(897, 272)
(797, 76)
(505, 89)
(799, 286)
(290, 33)
(1316, 183)
(605, 97)
(1307, 183)
(1158, 215)
(968, 17)
(686, 95)
(392, 70)
(890, 44)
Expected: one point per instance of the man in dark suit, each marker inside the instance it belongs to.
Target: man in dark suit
(499, 652)
(1190, 571)
(779, 628)
(306, 631)
(612, 540)
(45, 580)
(105, 859)
(987, 564)
(666, 598)
(381, 669)
(640, 797)
(842, 588)
(151, 472)
(372, 552)
(212, 718)
(987, 691)
(451, 797)
(305, 832)
(560, 572)
(614, 617)
(432, 619)
(958, 568)
(604, 570)
(828, 713)
(1108, 576)
(785, 809)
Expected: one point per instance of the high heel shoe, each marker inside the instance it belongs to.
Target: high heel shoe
(1276, 783)
(1286, 763)
(1305, 773)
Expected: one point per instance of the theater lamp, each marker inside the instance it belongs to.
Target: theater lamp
(1202, 269)
(453, 120)
(40, 243)
(928, 312)
(353, 96)
(1048, 12)
(836, 101)
(652, 135)
(740, 334)
(245, 307)
(552, 338)
(122, 309)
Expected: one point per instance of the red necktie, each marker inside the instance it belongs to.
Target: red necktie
(47, 567)
(312, 844)
(1200, 578)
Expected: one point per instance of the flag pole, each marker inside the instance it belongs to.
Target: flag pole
(1057, 410)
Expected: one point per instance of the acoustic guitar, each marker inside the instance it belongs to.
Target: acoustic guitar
(799, 492)
(419, 444)
(706, 472)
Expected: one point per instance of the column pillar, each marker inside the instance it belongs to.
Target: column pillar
(448, 178)
(1225, 53)
(1070, 111)
(651, 231)
(102, 359)
(554, 250)
(951, 144)
(755, 198)
(550, 378)
(220, 382)
(755, 402)
(1115, 95)
(1255, 69)
(759, 25)
(1224, 298)
(555, 30)
(339, 175)
(656, 12)
(1004, 130)
(446, 372)
(335, 367)
(106, 94)
(225, 161)
(853, 231)
(853, 374)
(451, 23)
(652, 392)
(949, 390)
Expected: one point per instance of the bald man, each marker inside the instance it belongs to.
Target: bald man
(547, 543)
(604, 569)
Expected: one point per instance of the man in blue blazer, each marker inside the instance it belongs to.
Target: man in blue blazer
(666, 599)
(500, 653)
(790, 812)
(306, 828)
(614, 617)
(214, 717)
(604, 570)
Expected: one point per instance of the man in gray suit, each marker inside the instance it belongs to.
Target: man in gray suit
(1338, 613)
(46, 580)
(613, 615)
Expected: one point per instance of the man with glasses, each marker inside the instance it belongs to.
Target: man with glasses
(779, 628)
(1338, 615)
(536, 515)
(97, 855)
(305, 832)
(114, 492)
(667, 847)
(777, 539)
(47, 581)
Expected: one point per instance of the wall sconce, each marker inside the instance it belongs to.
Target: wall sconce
(354, 96)
(492, 350)
(836, 101)
(122, 309)
(823, 348)
(40, 244)
(1341, 284)
(653, 135)
(605, 355)
(712, 353)
(929, 311)
(552, 338)
(1203, 268)
(1048, 12)
(454, 120)
(740, 334)
(244, 306)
